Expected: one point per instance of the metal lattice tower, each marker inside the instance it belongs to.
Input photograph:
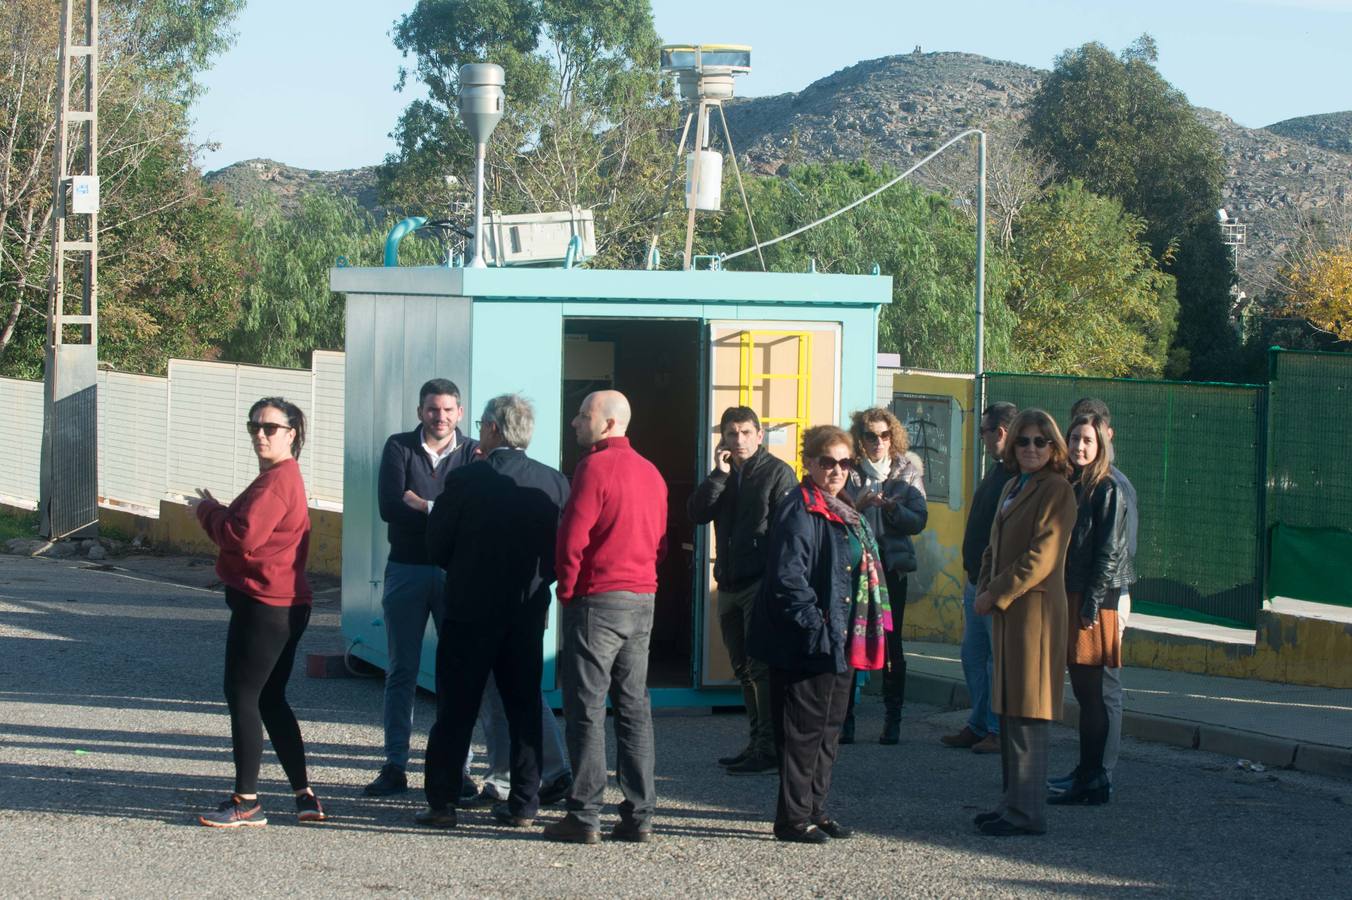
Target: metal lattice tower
(69, 478)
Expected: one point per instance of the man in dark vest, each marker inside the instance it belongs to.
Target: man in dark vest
(739, 497)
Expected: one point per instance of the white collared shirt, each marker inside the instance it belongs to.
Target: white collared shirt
(436, 457)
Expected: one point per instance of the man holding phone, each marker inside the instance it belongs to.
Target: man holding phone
(739, 497)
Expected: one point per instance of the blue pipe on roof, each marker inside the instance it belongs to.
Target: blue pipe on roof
(397, 234)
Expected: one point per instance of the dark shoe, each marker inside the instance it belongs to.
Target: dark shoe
(572, 830)
(891, 728)
(847, 730)
(487, 796)
(1002, 827)
(469, 791)
(983, 818)
(235, 813)
(309, 809)
(808, 835)
(556, 790)
(726, 761)
(1093, 791)
(631, 832)
(436, 817)
(758, 764)
(391, 780)
(835, 830)
(988, 744)
(963, 740)
(504, 816)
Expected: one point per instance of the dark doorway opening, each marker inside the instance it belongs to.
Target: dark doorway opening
(656, 364)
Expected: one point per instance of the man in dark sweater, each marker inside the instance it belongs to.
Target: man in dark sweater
(413, 470)
(982, 732)
(611, 538)
(739, 497)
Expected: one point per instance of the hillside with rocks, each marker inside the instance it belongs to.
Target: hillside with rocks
(1332, 131)
(249, 179)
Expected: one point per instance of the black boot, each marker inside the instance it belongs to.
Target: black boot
(891, 727)
(1093, 790)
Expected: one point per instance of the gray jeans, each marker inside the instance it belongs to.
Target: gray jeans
(1112, 695)
(605, 652)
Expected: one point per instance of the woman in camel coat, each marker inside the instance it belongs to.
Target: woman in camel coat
(1022, 583)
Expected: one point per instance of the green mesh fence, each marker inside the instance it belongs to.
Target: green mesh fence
(1195, 454)
(1310, 475)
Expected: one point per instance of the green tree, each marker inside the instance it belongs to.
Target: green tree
(918, 238)
(1116, 124)
(1088, 294)
(287, 310)
(151, 52)
(584, 123)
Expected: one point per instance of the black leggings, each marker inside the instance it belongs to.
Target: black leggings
(894, 675)
(1087, 682)
(260, 649)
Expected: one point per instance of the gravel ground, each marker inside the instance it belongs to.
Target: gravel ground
(113, 734)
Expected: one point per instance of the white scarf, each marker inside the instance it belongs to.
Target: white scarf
(876, 471)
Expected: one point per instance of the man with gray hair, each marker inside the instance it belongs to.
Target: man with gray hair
(493, 530)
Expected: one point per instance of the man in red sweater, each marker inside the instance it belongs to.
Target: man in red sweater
(611, 537)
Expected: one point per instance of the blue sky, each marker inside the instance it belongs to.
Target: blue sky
(311, 83)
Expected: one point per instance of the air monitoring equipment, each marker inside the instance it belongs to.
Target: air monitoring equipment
(482, 99)
(704, 73)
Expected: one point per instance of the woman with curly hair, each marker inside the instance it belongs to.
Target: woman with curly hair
(887, 486)
(1022, 584)
(822, 612)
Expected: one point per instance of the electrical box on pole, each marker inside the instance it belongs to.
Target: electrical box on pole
(69, 470)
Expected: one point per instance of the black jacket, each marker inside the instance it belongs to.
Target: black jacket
(893, 525)
(405, 467)
(798, 622)
(1099, 560)
(741, 508)
(980, 517)
(493, 530)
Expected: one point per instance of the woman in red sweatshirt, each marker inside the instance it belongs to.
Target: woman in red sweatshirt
(264, 540)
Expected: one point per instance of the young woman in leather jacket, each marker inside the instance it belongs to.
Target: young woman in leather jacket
(1098, 567)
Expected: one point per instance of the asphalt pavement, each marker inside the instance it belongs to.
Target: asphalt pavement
(113, 734)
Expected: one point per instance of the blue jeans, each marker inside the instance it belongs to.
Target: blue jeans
(978, 664)
(605, 651)
(412, 595)
(493, 720)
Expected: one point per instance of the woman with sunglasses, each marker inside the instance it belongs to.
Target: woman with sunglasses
(1022, 584)
(821, 613)
(887, 487)
(264, 540)
(1098, 566)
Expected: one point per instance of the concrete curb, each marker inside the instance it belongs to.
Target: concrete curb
(1317, 759)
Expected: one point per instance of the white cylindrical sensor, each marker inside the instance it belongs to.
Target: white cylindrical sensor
(708, 194)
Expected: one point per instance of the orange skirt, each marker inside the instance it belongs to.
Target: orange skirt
(1098, 645)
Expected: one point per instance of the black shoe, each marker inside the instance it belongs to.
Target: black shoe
(847, 731)
(1062, 784)
(982, 818)
(810, 834)
(556, 790)
(487, 796)
(1002, 827)
(757, 764)
(469, 792)
(891, 728)
(309, 809)
(726, 761)
(631, 832)
(1094, 791)
(504, 816)
(436, 817)
(391, 780)
(835, 830)
(572, 830)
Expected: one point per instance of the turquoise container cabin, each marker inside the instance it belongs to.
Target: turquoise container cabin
(683, 346)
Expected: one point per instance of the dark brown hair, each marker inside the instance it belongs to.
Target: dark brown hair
(818, 438)
(1044, 423)
(861, 420)
(1090, 476)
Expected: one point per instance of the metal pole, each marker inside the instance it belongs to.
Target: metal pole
(692, 196)
(480, 151)
(979, 356)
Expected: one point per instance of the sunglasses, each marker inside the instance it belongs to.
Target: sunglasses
(1039, 442)
(830, 462)
(874, 437)
(268, 428)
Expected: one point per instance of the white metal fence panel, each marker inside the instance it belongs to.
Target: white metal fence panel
(133, 450)
(205, 432)
(20, 439)
(326, 426)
